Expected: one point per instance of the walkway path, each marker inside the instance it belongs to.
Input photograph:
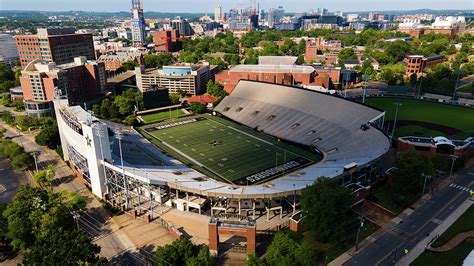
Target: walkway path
(454, 242)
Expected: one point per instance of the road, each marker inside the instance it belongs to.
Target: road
(389, 248)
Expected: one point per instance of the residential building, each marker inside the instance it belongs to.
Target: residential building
(166, 41)
(416, 63)
(190, 79)
(58, 45)
(114, 62)
(137, 23)
(274, 69)
(8, 53)
(79, 81)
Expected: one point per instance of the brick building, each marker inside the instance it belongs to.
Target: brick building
(166, 41)
(114, 62)
(79, 81)
(58, 45)
(277, 70)
(416, 63)
(318, 46)
(438, 145)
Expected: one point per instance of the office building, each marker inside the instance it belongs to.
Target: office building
(317, 46)
(182, 26)
(79, 81)
(58, 45)
(137, 23)
(218, 14)
(8, 52)
(274, 16)
(166, 41)
(190, 79)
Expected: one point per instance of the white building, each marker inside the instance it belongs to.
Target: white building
(8, 52)
(218, 14)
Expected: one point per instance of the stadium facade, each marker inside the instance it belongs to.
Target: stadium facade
(123, 167)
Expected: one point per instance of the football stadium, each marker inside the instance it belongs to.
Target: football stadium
(255, 152)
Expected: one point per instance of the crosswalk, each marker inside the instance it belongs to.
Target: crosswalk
(456, 186)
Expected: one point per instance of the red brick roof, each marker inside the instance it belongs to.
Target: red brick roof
(205, 99)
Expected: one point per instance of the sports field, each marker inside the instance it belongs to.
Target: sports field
(423, 118)
(164, 115)
(226, 150)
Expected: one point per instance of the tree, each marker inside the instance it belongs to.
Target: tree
(44, 177)
(197, 108)
(41, 222)
(397, 50)
(183, 252)
(252, 260)
(49, 134)
(129, 65)
(63, 247)
(282, 250)
(408, 181)
(215, 89)
(326, 209)
(5, 248)
(158, 60)
(413, 80)
(346, 54)
(174, 98)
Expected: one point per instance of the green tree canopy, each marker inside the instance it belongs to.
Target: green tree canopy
(183, 252)
(197, 108)
(326, 209)
(49, 134)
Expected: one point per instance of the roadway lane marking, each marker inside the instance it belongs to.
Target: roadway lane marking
(459, 187)
(436, 221)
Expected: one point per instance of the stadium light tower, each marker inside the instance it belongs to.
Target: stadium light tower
(398, 104)
(119, 136)
(100, 133)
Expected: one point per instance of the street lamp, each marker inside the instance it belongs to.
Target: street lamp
(424, 183)
(398, 104)
(361, 225)
(453, 158)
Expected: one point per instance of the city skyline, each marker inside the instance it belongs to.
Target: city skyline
(204, 6)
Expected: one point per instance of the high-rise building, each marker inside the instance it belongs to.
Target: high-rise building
(79, 82)
(58, 45)
(8, 53)
(218, 14)
(137, 23)
(182, 26)
(274, 16)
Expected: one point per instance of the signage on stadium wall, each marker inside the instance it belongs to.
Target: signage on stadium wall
(175, 124)
(273, 172)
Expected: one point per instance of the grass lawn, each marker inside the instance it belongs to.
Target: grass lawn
(227, 150)
(469, 88)
(334, 250)
(384, 199)
(463, 224)
(452, 257)
(417, 131)
(156, 117)
(461, 118)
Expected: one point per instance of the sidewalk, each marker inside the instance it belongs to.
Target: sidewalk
(421, 246)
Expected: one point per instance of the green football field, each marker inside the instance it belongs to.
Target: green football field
(436, 118)
(226, 150)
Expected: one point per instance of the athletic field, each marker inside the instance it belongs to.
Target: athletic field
(227, 151)
(423, 118)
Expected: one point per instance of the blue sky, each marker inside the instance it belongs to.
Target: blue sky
(208, 5)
